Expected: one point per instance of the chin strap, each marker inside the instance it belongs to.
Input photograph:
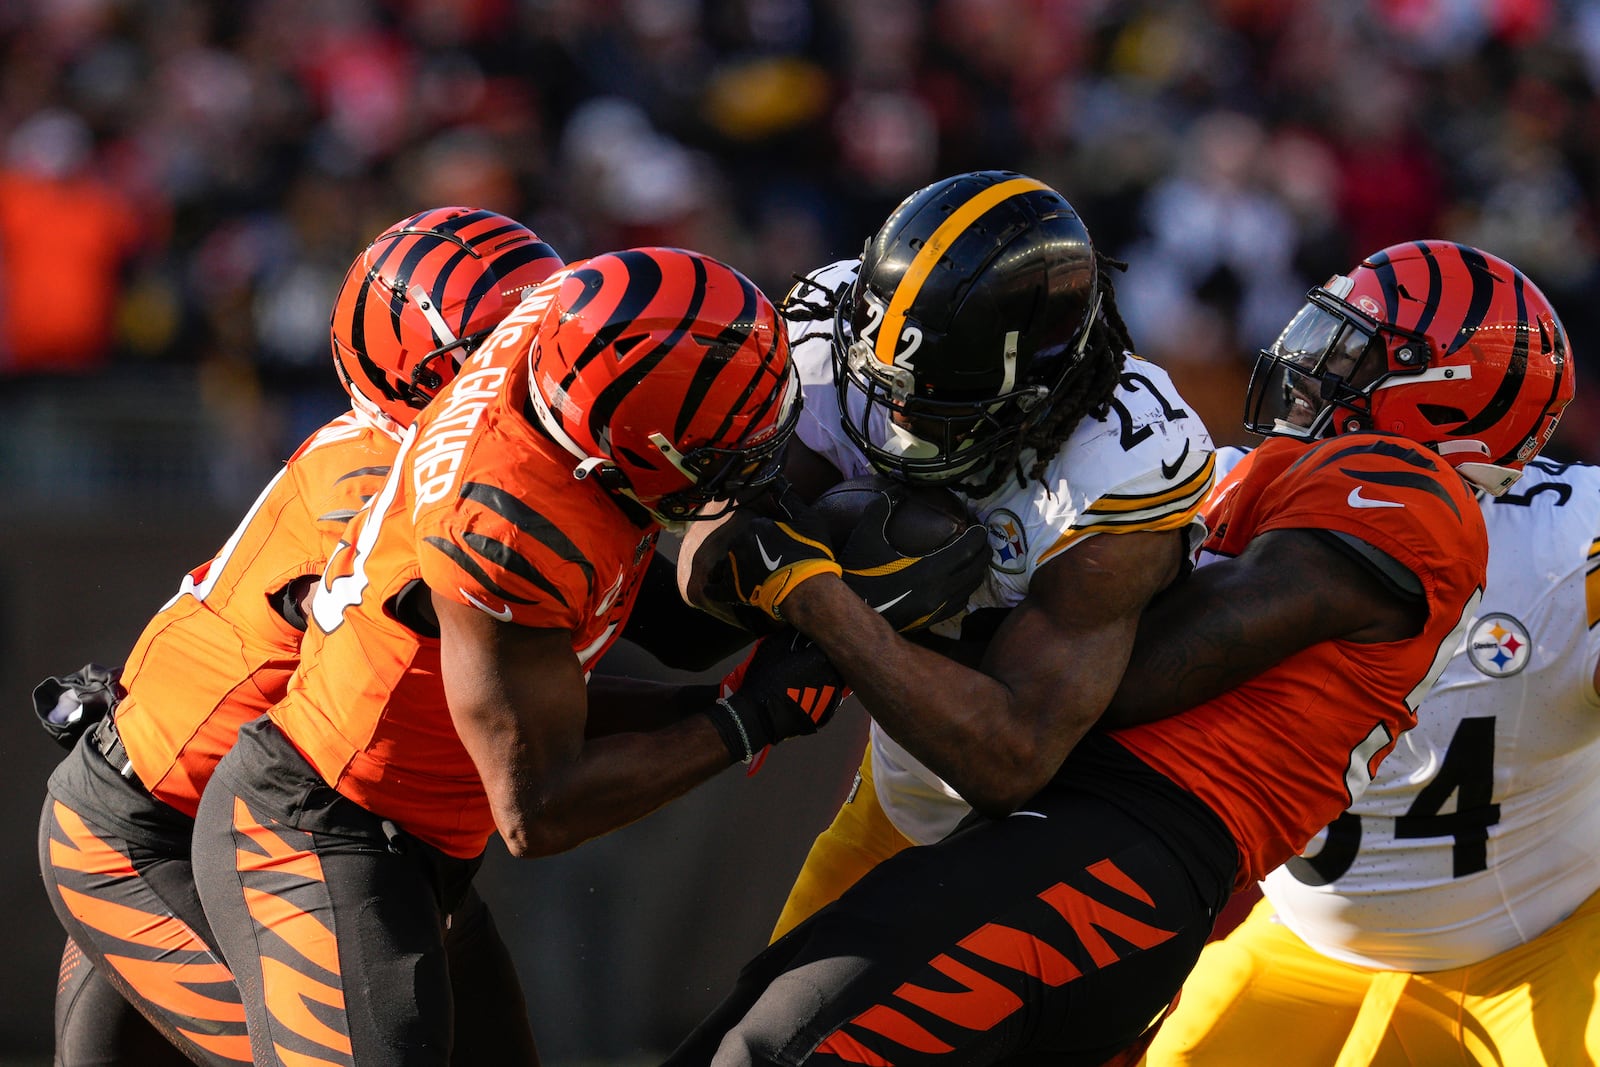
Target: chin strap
(609, 476)
(1490, 477)
(442, 334)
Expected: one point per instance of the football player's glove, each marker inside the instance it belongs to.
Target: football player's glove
(766, 559)
(911, 592)
(784, 688)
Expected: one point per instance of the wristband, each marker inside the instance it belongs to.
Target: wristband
(730, 727)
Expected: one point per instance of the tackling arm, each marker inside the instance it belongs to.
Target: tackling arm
(1233, 619)
(618, 704)
(999, 733)
(518, 699)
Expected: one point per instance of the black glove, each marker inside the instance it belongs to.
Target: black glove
(785, 687)
(69, 705)
(767, 559)
(912, 592)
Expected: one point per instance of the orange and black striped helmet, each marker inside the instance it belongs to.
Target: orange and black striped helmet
(422, 296)
(666, 374)
(1439, 342)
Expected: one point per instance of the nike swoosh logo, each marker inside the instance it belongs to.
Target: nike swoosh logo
(881, 608)
(1356, 500)
(1169, 470)
(772, 564)
(504, 614)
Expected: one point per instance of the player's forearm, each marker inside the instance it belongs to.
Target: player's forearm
(675, 633)
(614, 781)
(1236, 618)
(619, 704)
(1174, 668)
(960, 722)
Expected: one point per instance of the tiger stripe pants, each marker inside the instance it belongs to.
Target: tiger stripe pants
(342, 930)
(116, 868)
(1056, 935)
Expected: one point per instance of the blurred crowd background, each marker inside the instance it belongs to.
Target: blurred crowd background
(183, 184)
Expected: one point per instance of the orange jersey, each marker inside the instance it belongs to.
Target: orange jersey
(218, 654)
(483, 509)
(1279, 757)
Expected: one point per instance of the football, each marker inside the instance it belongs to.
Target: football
(922, 519)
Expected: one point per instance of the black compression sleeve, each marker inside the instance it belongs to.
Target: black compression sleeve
(680, 636)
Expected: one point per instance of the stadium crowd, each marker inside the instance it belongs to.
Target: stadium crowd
(207, 167)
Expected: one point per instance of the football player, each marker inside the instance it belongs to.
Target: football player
(1452, 914)
(442, 693)
(115, 833)
(1261, 695)
(976, 344)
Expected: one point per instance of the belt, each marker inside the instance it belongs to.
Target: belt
(108, 743)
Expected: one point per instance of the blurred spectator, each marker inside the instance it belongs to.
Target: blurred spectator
(65, 238)
(1217, 266)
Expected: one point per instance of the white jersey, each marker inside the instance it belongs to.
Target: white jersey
(1482, 828)
(1146, 466)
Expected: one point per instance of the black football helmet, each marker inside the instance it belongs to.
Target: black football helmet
(972, 302)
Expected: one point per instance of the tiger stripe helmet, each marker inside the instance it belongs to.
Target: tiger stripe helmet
(421, 296)
(666, 374)
(1439, 342)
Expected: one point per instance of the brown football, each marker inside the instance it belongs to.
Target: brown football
(922, 517)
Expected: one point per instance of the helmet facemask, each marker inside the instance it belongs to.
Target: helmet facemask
(730, 477)
(936, 440)
(1319, 377)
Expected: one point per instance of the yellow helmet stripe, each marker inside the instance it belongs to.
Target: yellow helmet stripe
(905, 293)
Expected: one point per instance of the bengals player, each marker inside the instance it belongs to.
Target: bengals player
(1260, 697)
(1414, 928)
(443, 694)
(115, 833)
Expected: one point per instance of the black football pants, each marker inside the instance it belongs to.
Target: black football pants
(139, 937)
(1054, 936)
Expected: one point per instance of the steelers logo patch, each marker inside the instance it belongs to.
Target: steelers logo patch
(1007, 543)
(1499, 645)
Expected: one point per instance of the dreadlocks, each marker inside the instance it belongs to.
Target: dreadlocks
(1085, 390)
